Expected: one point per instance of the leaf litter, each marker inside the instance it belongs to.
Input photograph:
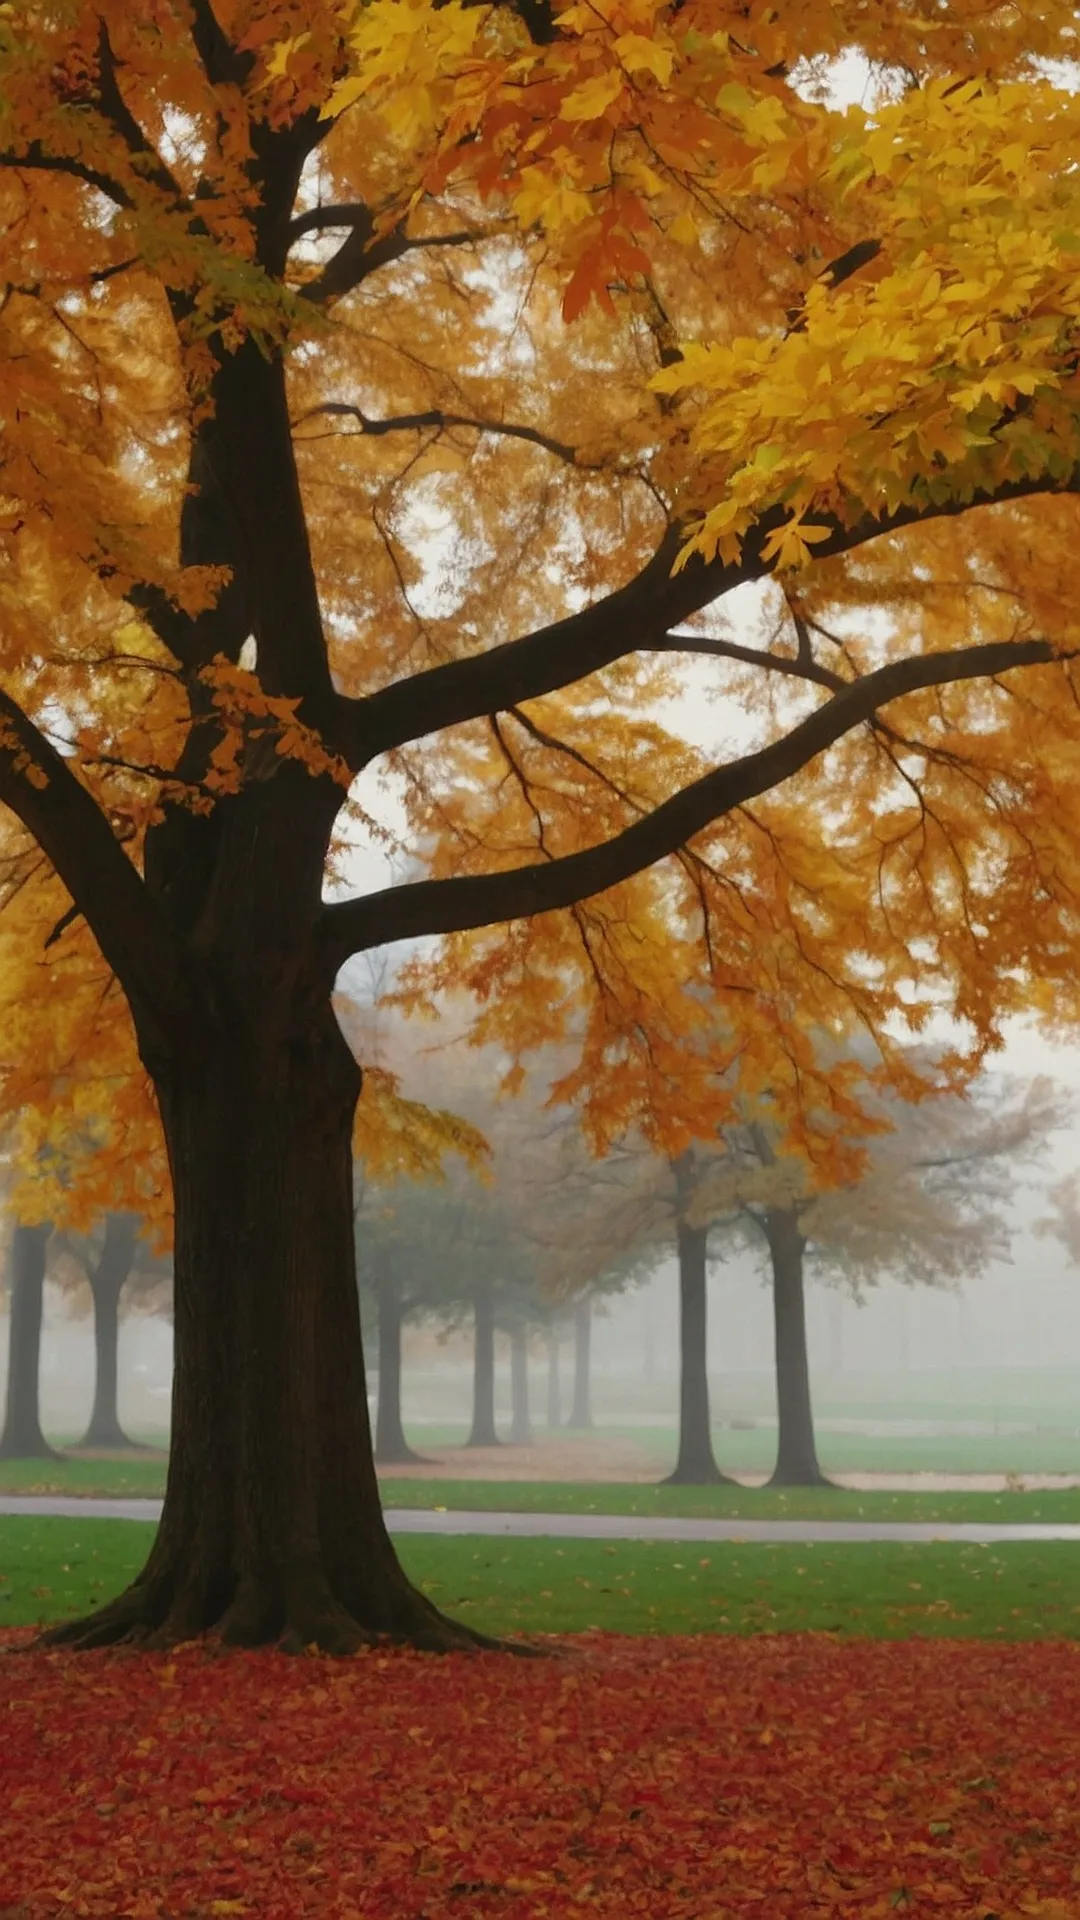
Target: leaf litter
(696, 1779)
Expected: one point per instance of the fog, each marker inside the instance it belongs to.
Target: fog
(905, 1346)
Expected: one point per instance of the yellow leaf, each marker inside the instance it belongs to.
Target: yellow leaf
(790, 544)
(591, 101)
(642, 55)
(683, 230)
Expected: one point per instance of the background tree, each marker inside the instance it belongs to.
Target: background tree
(923, 1205)
(113, 1262)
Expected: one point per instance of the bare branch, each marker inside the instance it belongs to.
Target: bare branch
(804, 667)
(449, 906)
(435, 419)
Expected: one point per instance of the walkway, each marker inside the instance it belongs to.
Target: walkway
(598, 1526)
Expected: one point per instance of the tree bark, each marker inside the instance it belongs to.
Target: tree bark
(696, 1464)
(106, 1285)
(391, 1446)
(272, 1530)
(22, 1438)
(580, 1415)
(483, 1432)
(521, 1433)
(554, 1397)
(796, 1453)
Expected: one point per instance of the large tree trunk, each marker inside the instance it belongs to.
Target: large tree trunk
(521, 1433)
(796, 1454)
(554, 1397)
(272, 1530)
(22, 1438)
(391, 1446)
(695, 1465)
(483, 1432)
(580, 1415)
(106, 1284)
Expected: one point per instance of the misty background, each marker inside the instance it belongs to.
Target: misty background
(983, 1376)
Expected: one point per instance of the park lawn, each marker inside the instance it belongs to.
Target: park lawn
(145, 1478)
(53, 1567)
(141, 1476)
(1057, 1504)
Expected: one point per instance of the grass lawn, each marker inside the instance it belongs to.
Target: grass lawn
(719, 1503)
(55, 1567)
(146, 1477)
(737, 1452)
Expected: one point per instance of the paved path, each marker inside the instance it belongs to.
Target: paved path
(595, 1526)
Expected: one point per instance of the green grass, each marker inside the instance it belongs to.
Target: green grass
(717, 1503)
(143, 1478)
(54, 1568)
(736, 1452)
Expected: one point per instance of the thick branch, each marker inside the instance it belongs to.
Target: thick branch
(437, 420)
(451, 906)
(71, 830)
(222, 62)
(635, 618)
(35, 160)
(359, 254)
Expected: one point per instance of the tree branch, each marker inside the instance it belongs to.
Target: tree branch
(359, 254)
(635, 618)
(454, 905)
(436, 419)
(36, 160)
(222, 62)
(72, 831)
(804, 667)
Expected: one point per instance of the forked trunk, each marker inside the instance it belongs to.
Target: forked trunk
(581, 1407)
(272, 1530)
(106, 1284)
(22, 1438)
(696, 1465)
(521, 1433)
(796, 1453)
(483, 1432)
(391, 1446)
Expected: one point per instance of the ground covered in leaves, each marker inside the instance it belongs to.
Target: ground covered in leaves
(700, 1779)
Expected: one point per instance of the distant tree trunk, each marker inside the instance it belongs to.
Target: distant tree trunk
(107, 1279)
(483, 1420)
(391, 1447)
(796, 1453)
(696, 1465)
(554, 1397)
(581, 1410)
(521, 1433)
(22, 1438)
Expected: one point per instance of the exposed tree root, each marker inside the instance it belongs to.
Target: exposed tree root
(800, 1477)
(301, 1617)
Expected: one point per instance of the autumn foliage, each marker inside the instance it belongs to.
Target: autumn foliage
(687, 1778)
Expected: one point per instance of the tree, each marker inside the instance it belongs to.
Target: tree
(232, 397)
(924, 1206)
(108, 1261)
(22, 1438)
